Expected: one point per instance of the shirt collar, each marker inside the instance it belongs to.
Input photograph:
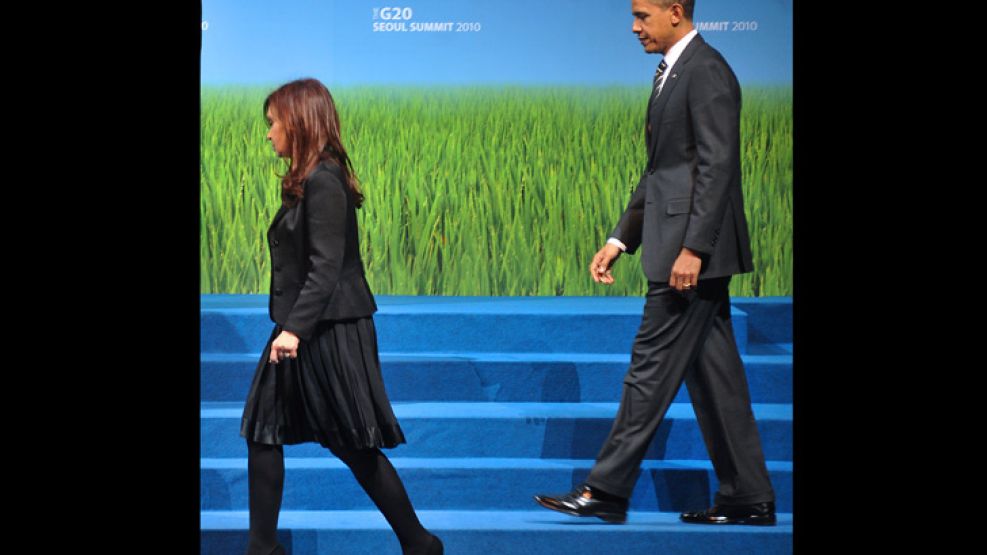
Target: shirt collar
(676, 50)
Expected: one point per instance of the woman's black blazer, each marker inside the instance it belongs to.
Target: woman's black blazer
(316, 270)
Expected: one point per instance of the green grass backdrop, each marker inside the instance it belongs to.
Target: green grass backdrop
(481, 191)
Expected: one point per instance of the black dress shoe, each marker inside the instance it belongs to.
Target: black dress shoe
(757, 514)
(587, 501)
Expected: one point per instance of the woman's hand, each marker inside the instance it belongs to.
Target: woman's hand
(284, 346)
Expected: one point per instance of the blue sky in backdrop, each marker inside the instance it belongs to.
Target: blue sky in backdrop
(422, 42)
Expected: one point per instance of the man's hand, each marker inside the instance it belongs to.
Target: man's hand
(599, 269)
(685, 271)
(285, 346)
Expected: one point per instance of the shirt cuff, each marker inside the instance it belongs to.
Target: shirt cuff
(620, 245)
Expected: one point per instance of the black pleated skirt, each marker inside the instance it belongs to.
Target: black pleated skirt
(333, 393)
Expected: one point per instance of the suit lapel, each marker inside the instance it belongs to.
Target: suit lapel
(324, 164)
(647, 121)
(277, 218)
(656, 106)
(672, 79)
(282, 210)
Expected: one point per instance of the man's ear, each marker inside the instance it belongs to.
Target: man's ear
(678, 13)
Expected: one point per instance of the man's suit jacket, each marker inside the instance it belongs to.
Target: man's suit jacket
(316, 270)
(690, 192)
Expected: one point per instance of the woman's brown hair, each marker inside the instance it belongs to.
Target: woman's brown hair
(311, 123)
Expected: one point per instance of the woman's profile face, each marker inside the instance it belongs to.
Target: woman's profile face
(276, 134)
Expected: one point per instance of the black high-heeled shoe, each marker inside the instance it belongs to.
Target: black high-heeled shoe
(278, 550)
(434, 547)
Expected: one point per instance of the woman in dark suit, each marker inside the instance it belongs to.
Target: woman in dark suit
(319, 377)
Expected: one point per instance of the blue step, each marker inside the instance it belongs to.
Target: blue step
(240, 324)
(769, 319)
(522, 430)
(325, 483)
(502, 377)
(766, 349)
(528, 388)
(499, 532)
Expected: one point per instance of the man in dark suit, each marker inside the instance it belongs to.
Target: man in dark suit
(687, 214)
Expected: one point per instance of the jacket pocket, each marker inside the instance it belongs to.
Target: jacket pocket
(678, 206)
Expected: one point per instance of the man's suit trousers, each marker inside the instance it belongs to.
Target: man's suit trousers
(687, 336)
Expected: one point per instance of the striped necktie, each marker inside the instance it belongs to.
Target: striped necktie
(659, 74)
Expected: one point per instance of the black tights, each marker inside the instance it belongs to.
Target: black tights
(265, 474)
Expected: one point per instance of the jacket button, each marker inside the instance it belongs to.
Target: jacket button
(277, 292)
(274, 243)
